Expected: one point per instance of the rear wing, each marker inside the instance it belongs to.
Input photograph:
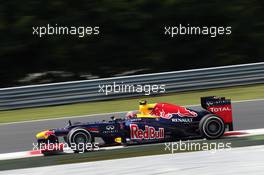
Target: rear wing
(219, 106)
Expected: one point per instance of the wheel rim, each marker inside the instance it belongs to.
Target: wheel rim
(214, 128)
(80, 138)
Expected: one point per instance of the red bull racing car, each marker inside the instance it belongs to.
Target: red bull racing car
(158, 122)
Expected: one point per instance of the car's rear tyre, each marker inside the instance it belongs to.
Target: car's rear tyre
(80, 140)
(211, 127)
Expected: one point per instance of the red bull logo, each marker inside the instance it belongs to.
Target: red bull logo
(165, 115)
(148, 133)
(183, 112)
(167, 111)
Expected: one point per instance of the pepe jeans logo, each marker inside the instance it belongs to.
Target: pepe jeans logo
(148, 133)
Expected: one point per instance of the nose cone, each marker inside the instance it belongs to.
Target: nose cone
(40, 135)
(44, 134)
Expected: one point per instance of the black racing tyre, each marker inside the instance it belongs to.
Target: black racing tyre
(211, 127)
(80, 140)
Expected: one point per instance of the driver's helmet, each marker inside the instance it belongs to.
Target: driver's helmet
(131, 114)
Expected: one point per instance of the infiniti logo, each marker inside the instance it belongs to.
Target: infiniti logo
(110, 127)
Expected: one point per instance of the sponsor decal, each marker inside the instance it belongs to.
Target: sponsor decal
(165, 115)
(148, 133)
(167, 111)
(182, 113)
(209, 103)
(218, 102)
(183, 120)
(224, 111)
(135, 119)
(220, 109)
(186, 113)
(92, 129)
(110, 127)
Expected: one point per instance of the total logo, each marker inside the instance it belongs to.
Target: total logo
(220, 109)
(148, 133)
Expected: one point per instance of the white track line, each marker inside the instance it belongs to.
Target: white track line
(250, 132)
(17, 155)
(109, 113)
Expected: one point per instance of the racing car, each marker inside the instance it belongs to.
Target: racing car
(158, 122)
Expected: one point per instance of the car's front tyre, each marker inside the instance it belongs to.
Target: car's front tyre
(80, 140)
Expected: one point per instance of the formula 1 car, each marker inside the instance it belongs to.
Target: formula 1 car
(159, 122)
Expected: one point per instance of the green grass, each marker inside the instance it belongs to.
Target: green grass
(184, 98)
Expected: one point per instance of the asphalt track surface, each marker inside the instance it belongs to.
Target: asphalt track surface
(20, 136)
(242, 161)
